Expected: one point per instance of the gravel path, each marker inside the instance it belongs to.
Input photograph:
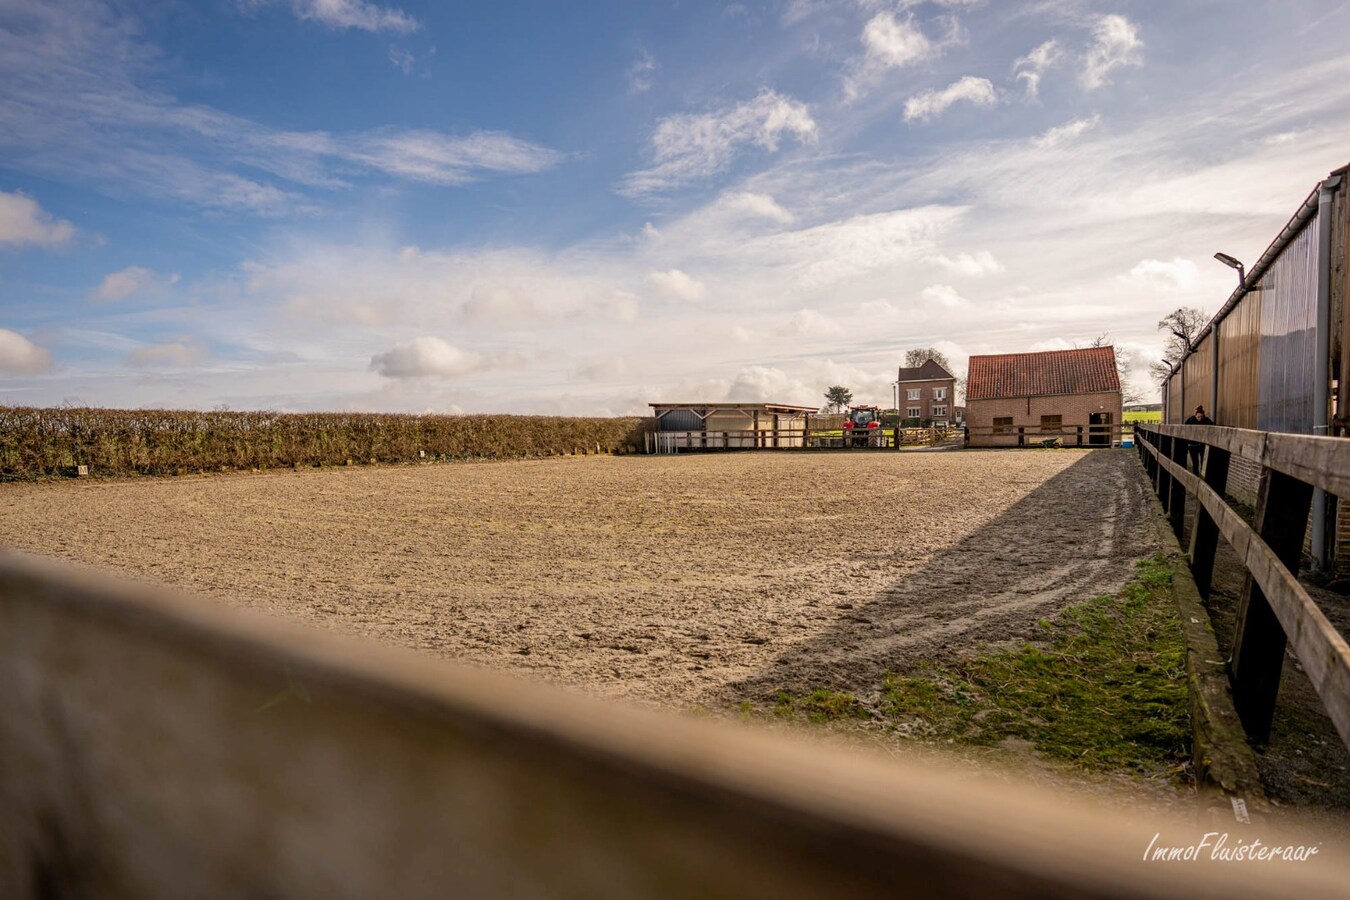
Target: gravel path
(676, 581)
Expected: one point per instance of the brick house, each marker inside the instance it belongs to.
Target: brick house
(1064, 393)
(927, 393)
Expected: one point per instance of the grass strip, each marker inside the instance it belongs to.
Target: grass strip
(1105, 689)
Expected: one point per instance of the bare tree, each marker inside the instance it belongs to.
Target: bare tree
(1183, 326)
(1128, 392)
(838, 397)
(920, 355)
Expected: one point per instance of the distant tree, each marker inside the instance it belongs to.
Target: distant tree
(1128, 392)
(838, 397)
(1183, 326)
(920, 355)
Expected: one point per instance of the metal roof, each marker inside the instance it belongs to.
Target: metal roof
(704, 409)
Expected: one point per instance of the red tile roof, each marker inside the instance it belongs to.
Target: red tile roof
(1091, 370)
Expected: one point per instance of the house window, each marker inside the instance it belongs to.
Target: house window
(914, 393)
(939, 393)
(913, 412)
(939, 410)
(1002, 424)
(1051, 424)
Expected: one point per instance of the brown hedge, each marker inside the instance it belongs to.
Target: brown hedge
(37, 442)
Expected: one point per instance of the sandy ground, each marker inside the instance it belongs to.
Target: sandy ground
(684, 582)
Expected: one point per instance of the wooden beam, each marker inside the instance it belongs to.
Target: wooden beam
(1320, 648)
(1282, 506)
(490, 785)
(1176, 501)
(1205, 532)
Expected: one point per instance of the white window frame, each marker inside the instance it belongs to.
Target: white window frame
(939, 411)
(939, 393)
(915, 412)
(914, 393)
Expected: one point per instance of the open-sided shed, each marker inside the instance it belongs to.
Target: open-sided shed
(682, 426)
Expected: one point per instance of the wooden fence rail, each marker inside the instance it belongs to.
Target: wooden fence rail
(1064, 435)
(784, 439)
(152, 745)
(1275, 610)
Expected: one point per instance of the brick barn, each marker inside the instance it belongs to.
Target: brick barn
(1020, 398)
(927, 394)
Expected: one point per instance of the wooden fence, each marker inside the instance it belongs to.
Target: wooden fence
(783, 439)
(1047, 436)
(153, 745)
(1275, 610)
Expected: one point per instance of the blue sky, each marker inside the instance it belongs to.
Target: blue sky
(580, 208)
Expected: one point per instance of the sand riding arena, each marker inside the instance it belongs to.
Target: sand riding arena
(690, 581)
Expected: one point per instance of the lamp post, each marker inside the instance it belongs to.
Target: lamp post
(1233, 263)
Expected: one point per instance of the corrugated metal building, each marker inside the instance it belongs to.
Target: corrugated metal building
(1278, 343)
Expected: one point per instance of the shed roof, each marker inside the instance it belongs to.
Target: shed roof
(1091, 370)
(704, 409)
(931, 370)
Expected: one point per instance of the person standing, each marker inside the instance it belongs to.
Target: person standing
(1196, 450)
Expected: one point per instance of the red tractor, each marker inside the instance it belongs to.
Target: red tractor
(861, 424)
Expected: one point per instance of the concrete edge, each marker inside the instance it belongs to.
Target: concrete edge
(1226, 774)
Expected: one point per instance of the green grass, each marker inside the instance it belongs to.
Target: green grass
(1106, 688)
(1151, 415)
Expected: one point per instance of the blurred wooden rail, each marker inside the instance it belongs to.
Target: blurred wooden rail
(158, 746)
(1275, 608)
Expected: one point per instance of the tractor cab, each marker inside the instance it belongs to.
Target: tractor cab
(858, 427)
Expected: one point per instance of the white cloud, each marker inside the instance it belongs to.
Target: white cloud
(944, 295)
(969, 89)
(1115, 44)
(20, 356)
(1178, 274)
(891, 42)
(1063, 134)
(640, 73)
(22, 221)
(1031, 67)
(810, 323)
(676, 285)
(425, 357)
(356, 14)
(752, 205)
(688, 147)
(180, 354)
(761, 384)
(134, 280)
(610, 368)
(437, 158)
(973, 265)
(402, 59)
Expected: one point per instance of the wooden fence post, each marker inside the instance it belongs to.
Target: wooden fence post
(1176, 502)
(1282, 506)
(1162, 481)
(1205, 534)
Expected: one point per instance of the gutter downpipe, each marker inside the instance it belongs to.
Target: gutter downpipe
(1322, 361)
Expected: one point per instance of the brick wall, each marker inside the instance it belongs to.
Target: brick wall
(1073, 409)
(925, 403)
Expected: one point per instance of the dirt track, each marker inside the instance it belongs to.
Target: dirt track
(679, 581)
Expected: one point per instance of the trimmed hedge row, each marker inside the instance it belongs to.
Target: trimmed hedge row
(37, 442)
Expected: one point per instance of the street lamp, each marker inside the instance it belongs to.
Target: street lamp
(1233, 263)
